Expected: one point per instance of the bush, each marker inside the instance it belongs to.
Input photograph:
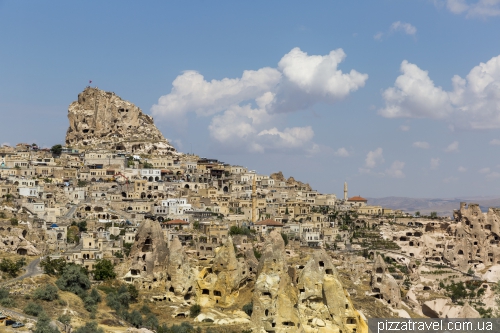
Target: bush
(7, 302)
(145, 310)
(234, 230)
(47, 293)
(53, 267)
(4, 293)
(135, 318)
(151, 321)
(65, 319)
(90, 327)
(285, 238)
(14, 221)
(12, 268)
(74, 279)
(33, 309)
(257, 254)
(194, 310)
(248, 308)
(103, 270)
(43, 325)
(119, 300)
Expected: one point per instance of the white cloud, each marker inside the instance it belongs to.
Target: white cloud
(342, 152)
(452, 147)
(473, 103)
(434, 163)
(495, 142)
(478, 8)
(404, 27)
(462, 169)
(378, 36)
(396, 170)
(493, 175)
(5, 144)
(484, 170)
(246, 111)
(373, 158)
(450, 179)
(404, 128)
(421, 144)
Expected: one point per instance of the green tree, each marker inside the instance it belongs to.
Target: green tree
(90, 327)
(135, 318)
(53, 267)
(434, 215)
(285, 238)
(46, 293)
(103, 270)
(417, 213)
(14, 221)
(82, 183)
(65, 319)
(126, 248)
(56, 149)
(43, 325)
(194, 310)
(33, 309)
(74, 279)
(151, 321)
(248, 308)
(11, 267)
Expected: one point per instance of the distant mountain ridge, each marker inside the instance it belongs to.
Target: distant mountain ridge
(426, 205)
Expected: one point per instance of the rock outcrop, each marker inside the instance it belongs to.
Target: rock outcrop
(100, 119)
(12, 241)
(147, 256)
(275, 297)
(220, 283)
(179, 274)
(443, 308)
(324, 305)
(384, 285)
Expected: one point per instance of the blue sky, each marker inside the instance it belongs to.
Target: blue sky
(396, 97)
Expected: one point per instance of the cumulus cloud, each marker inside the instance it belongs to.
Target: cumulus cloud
(404, 27)
(495, 142)
(493, 175)
(342, 152)
(378, 36)
(452, 147)
(478, 8)
(474, 102)
(484, 170)
(462, 169)
(421, 144)
(246, 111)
(373, 158)
(396, 170)
(434, 163)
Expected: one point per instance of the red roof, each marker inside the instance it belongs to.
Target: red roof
(269, 222)
(357, 198)
(175, 222)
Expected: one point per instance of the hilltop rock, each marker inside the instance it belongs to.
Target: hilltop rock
(100, 119)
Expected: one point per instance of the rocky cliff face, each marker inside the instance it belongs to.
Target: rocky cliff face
(384, 285)
(100, 119)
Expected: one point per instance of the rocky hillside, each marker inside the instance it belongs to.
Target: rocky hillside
(101, 119)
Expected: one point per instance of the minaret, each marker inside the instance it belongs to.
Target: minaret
(254, 200)
(345, 191)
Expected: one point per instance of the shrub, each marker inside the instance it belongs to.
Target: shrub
(43, 325)
(257, 254)
(145, 310)
(135, 318)
(4, 293)
(46, 293)
(74, 279)
(248, 308)
(33, 309)
(12, 268)
(90, 327)
(194, 310)
(285, 238)
(53, 267)
(103, 270)
(65, 319)
(7, 302)
(151, 321)
(14, 221)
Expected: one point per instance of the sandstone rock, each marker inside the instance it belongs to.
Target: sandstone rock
(384, 284)
(147, 256)
(220, 283)
(323, 303)
(275, 297)
(442, 308)
(12, 241)
(101, 119)
(180, 275)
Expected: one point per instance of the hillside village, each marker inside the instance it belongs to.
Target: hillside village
(263, 253)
